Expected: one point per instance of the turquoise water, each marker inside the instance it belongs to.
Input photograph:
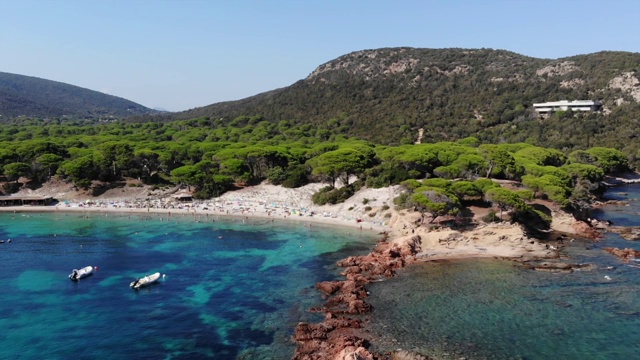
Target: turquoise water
(236, 290)
(494, 309)
(232, 289)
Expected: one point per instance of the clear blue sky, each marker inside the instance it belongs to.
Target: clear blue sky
(178, 55)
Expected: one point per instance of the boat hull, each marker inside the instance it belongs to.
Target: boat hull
(80, 274)
(145, 281)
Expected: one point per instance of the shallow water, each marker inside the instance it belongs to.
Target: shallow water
(494, 309)
(232, 289)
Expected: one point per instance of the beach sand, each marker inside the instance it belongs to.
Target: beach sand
(368, 209)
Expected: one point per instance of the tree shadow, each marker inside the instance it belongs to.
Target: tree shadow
(98, 190)
(33, 185)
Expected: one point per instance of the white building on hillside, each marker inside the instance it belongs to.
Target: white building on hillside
(564, 105)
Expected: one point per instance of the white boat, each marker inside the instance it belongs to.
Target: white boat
(145, 281)
(82, 273)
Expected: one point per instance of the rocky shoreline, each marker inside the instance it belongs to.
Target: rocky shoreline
(340, 335)
(405, 240)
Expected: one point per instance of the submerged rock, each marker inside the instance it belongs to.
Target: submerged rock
(557, 267)
(627, 232)
(625, 254)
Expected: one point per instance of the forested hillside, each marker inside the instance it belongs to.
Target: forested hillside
(361, 115)
(26, 96)
(387, 95)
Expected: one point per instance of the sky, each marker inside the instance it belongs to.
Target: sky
(180, 54)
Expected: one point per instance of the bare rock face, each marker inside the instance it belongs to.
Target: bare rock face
(354, 353)
(627, 82)
(329, 287)
(583, 229)
(557, 68)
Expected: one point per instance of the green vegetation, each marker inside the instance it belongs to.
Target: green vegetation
(160, 154)
(28, 96)
(462, 96)
(359, 120)
(452, 94)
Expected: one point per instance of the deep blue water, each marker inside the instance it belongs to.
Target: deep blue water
(232, 289)
(494, 309)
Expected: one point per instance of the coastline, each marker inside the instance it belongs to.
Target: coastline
(623, 179)
(196, 212)
(369, 209)
(405, 239)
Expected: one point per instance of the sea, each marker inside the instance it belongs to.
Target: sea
(496, 309)
(236, 288)
(233, 288)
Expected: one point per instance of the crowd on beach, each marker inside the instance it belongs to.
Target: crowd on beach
(237, 207)
(232, 206)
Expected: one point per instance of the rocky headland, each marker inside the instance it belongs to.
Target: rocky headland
(406, 237)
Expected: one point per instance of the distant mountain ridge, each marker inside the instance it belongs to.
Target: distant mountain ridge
(386, 95)
(29, 96)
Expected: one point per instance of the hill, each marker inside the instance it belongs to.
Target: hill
(387, 95)
(34, 97)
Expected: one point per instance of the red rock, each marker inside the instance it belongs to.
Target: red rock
(336, 338)
(305, 331)
(625, 254)
(329, 287)
(583, 229)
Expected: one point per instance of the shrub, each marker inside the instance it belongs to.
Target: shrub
(276, 175)
(402, 201)
(386, 174)
(365, 201)
(367, 208)
(526, 195)
(448, 172)
(437, 182)
(11, 187)
(491, 217)
(296, 176)
(331, 195)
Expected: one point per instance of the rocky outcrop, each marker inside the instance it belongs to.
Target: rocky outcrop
(585, 230)
(561, 267)
(558, 68)
(628, 83)
(565, 223)
(339, 336)
(628, 233)
(625, 254)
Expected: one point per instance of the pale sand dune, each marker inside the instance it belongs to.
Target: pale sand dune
(368, 209)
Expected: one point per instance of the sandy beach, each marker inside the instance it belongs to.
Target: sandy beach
(411, 237)
(368, 209)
